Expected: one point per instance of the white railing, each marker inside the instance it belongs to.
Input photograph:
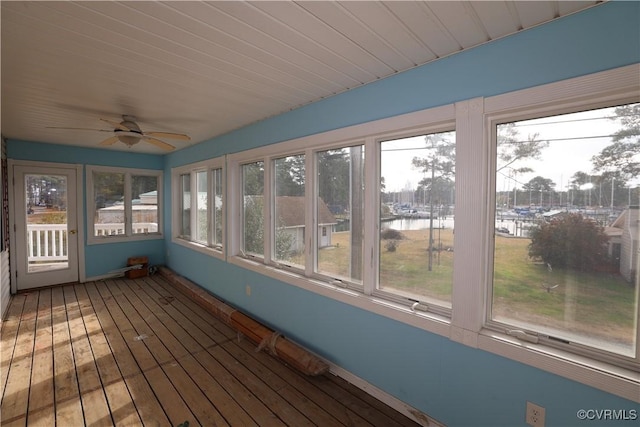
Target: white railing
(115, 229)
(48, 242)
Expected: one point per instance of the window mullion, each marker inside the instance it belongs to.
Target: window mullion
(268, 208)
(471, 221)
(128, 209)
(371, 216)
(193, 204)
(310, 197)
(210, 207)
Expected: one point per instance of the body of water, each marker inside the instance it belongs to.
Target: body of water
(417, 223)
(515, 228)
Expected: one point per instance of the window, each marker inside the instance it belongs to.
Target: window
(199, 205)
(124, 204)
(417, 189)
(216, 213)
(185, 206)
(201, 232)
(144, 199)
(565, 264)
(289, 219)
(304, 216)
(253, 209)
(527, 175)
(340, 207)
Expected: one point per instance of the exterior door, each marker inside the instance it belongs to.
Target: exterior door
(46, 226)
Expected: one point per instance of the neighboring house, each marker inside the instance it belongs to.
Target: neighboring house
(623, 241)
(290, 211)
(144, 210)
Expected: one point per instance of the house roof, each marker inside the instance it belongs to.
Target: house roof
(290, 209)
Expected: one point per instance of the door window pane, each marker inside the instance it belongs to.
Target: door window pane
(47, 243)
(566, 241)
(340, 209)
(416, 218)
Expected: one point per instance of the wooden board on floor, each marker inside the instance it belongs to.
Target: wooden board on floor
(139, 352)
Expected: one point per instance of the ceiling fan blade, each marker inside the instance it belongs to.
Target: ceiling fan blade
(95, 130)
(117, 125)
(170, 135)
(109, 141)
(159, 143)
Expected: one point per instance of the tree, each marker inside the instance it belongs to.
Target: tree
(253, 225)
(623, 154)
(334, 178)
(439, 169)
(141, 184)
(253, 190)
(512, 148)
(569, 241)
(539, 185)
(109, 188)
(290, 176)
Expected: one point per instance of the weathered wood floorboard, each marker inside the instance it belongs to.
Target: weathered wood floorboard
(139, 352)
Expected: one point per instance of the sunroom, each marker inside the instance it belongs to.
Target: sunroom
(436, 200)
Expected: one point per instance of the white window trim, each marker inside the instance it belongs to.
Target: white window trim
(92, 239)
(474, 221)
(616, 86)
(191, 169)
(369, 135)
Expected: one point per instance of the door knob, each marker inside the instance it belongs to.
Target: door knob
(72, 231)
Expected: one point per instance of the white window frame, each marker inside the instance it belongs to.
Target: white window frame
(368, 194)
(128, 236)
(471, 295)
(218, 251)
(369, 135)
(424, 304)
(616, 374)
(272, 214)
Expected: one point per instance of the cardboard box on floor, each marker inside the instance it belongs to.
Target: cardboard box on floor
(137, 272)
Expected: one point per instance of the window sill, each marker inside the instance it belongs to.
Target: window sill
(427, 321)
(199, 247)
(601, 375)
(92, 240)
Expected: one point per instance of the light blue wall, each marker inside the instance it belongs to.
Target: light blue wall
(103, 258)
(455, 384)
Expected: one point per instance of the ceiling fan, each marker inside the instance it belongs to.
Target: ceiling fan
(129, 133)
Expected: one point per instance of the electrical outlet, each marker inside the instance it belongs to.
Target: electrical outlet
(535, 415)
(248, 290)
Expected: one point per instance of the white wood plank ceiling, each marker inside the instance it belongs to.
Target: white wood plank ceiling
(206, 68)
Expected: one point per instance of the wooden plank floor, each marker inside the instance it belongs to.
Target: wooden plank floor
(138, 352)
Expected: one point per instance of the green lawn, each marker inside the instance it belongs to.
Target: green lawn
(598, 306)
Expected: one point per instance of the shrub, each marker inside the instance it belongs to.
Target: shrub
(391, 234)
(569, 241)
(391, 245)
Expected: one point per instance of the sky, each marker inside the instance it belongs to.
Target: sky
(572, 139)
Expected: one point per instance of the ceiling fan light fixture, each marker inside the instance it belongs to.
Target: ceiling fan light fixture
(128, 138)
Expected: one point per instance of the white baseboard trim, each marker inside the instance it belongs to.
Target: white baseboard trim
(411, 412)
(103, 277)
